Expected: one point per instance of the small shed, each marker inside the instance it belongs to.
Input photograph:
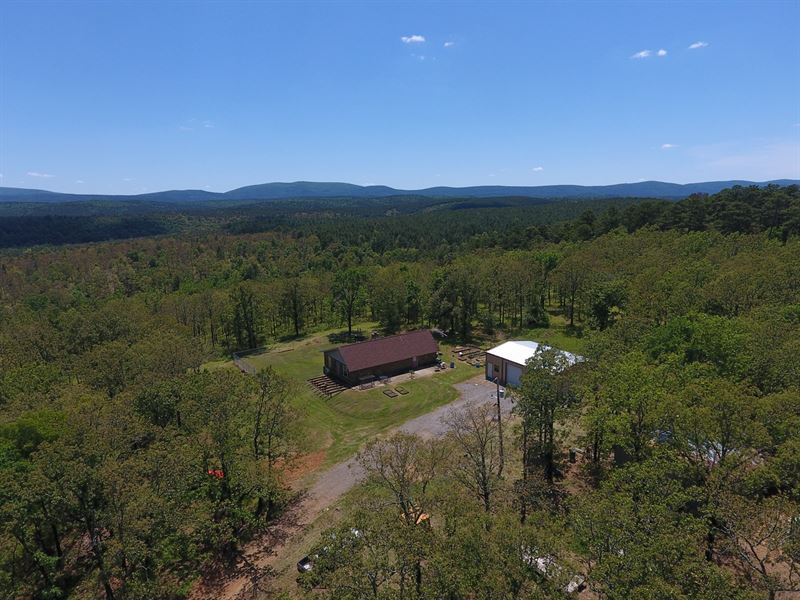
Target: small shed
(382, 357)
(506, 362)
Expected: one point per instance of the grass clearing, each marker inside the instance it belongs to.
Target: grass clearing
(340, 425)
(558, 335)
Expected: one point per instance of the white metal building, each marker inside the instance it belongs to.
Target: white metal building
(506, 362)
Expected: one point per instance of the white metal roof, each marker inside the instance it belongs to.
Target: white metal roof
(520, 351)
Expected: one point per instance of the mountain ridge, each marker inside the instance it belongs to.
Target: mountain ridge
(312, 189)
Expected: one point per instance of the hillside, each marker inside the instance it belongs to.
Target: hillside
(311, 189)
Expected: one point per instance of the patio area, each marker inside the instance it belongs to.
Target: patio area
(405, 377)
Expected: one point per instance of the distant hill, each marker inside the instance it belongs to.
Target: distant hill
(311, 189)
(8, 194)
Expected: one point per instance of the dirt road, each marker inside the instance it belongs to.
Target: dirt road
(290, 531)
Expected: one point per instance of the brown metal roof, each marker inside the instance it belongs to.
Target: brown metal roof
(374, 353)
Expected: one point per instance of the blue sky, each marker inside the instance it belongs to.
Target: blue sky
(115, 97)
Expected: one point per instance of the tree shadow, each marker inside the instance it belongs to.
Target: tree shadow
(250, 562)
(343, 337)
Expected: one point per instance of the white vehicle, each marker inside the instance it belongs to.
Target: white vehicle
(549, 568)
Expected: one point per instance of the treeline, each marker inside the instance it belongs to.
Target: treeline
(57, 230)
(772, 209)
(24, 225)
(236, 292)
(409, 227)
(512, 224)
(244, 294)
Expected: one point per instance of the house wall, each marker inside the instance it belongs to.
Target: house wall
(338, 370)
(394, 368)
(495, 368)
(334, 368)
(499, 368)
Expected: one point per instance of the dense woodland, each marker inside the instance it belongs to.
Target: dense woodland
(687, 407)
(387, 224)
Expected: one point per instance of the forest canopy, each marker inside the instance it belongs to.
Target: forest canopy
(114, 431)
(396, 222)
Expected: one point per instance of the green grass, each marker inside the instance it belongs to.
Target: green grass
(341, 424)
(558, 335)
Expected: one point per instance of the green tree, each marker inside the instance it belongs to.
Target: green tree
(348, 293)
(477, 460)
(638, 540)
(545, 397)
(275, 438)
(630, 397)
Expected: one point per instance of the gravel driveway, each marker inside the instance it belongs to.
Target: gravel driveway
(338, 480)
(476, 390)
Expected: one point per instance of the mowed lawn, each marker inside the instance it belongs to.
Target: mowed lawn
(340, 425)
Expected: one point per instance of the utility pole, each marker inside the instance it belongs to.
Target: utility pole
(499, 428)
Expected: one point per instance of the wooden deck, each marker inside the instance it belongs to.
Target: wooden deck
(326, 386)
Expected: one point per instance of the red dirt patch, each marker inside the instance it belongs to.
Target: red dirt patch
(304, 465)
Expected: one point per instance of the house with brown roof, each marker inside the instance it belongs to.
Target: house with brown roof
(383, 357)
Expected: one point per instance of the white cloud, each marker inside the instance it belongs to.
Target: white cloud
(418, 56)
(413, 39)
(449, 44)
(697, 45)
(193, 124)
(642, 54)
(79, 181)
(127, 179)
(537, 169)
(662, 52)
(1, 175)
(37, 174)
(668, 146)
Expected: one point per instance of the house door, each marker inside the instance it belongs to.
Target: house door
(513, 374)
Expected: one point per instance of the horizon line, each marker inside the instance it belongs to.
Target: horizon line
(399, 189)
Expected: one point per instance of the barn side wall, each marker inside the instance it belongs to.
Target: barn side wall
(394, 368)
